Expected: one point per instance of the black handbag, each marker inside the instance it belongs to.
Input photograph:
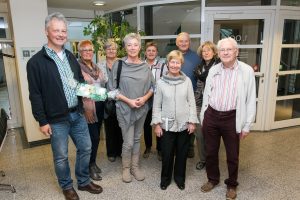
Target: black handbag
(110, 104)
(110, 107)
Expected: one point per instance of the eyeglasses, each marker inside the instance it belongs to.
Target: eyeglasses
(175, 62)
(87, 50)
(229, 50)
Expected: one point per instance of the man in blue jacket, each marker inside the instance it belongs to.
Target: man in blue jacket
(191, 61)
(52, 76)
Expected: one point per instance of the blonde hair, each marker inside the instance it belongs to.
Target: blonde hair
(175, 54)
(109, 43)
(210, 45)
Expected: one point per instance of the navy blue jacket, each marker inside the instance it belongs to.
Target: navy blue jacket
(46, 93)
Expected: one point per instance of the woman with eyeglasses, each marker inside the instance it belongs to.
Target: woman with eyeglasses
(174, 119)
(93, 111)
(209, 54)
(113, 132)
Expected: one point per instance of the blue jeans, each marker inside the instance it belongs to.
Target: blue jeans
(76, 127)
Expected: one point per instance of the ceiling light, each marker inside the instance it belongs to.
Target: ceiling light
(99, 3)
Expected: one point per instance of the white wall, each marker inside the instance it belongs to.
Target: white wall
(28, 27)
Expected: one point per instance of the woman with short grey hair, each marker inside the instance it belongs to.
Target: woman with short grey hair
(135, 89)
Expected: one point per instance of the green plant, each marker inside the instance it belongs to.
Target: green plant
(101, 28)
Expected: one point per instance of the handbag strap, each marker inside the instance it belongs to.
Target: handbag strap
(119, 72)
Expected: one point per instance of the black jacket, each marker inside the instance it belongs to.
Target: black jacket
(46, 93)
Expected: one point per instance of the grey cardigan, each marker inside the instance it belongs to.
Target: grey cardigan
(174, 103)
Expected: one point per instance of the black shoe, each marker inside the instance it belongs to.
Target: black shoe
(70, 194)
(181, 186)
(200, 165)
(191, 153)
(147, 153)
(94, 174)
(91, 188)
(95, 167)
(163, 186)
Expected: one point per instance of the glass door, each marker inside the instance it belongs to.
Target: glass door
(287, 72)
(251, 30)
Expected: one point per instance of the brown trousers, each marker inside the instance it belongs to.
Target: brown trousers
(217, 124)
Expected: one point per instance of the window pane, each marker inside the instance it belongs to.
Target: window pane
(167, 45)
(288, 84)
(290, 2)
(287, 109)
(248, 31)
(290, 59)
(291, 32)
(157, 20)
(129, 15)
(212, 3)
(252, 57)
(3, 26)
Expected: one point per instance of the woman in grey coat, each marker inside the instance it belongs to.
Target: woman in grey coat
(135, 89)
(174, 118)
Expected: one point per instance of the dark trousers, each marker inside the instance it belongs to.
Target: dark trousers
(218, 124)
(114, 140)
(174, 143)
(94, 130)
(148, 132)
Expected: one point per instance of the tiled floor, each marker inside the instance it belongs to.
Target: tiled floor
(269, 169)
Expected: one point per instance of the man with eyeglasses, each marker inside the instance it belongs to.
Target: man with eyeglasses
(53, 74)
(228, 110)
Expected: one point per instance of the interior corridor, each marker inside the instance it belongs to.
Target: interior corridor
(269, 169)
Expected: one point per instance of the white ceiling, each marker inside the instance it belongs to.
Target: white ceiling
(88, 4)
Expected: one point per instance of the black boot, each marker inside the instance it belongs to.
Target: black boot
(94, 174)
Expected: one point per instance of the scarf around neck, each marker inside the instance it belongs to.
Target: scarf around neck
(93, 72)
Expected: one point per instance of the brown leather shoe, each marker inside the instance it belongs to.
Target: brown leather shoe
(70, 194)
(91, 188)
(207, 187)
(231, 193)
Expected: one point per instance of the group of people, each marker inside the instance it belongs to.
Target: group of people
(208, 94)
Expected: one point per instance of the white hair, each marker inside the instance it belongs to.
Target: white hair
(228, 39)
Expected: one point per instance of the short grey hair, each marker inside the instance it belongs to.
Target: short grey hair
(110, 43)
(56, 15)
(131, 36)
(228, 39)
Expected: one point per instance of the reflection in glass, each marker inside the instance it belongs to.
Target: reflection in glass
(247, 31)
(291, 31)
(290, 3)
(4, 97)
(158, 20)
(212, 3)
(288, 84)
(252, 57)
(287, 109)
(290, 59)
(2, 28)
(167, 45)
(130, 15)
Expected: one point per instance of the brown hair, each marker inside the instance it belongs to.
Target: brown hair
(151, 44)
(211, 45)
